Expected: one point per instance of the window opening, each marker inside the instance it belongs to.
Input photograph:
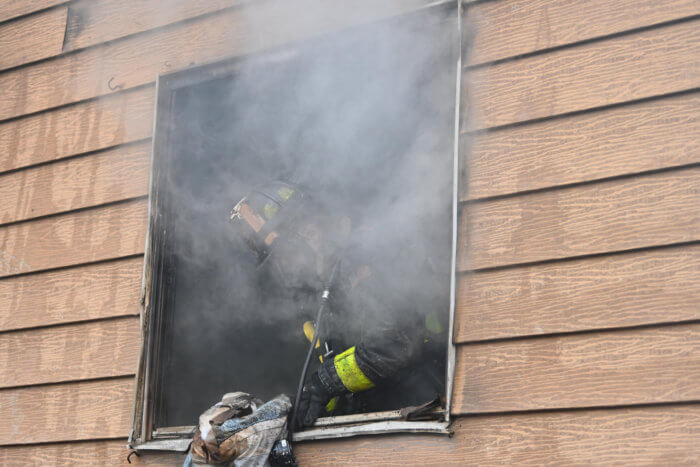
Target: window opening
(360, 125)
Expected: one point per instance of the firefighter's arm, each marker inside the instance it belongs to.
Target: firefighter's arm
(370, 363)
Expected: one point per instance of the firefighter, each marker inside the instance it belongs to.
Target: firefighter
(380, 347)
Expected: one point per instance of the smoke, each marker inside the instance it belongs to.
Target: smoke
(362, 118)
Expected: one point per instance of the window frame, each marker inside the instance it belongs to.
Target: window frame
(142, 436)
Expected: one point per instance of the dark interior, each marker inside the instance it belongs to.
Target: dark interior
(365, 118)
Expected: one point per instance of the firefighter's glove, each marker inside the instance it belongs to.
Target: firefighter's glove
(322, 386)
(314, 398)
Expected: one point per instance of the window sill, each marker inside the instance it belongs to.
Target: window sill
(378, 423)
(320, 433)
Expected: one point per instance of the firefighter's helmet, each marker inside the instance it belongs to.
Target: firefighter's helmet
(267, 216)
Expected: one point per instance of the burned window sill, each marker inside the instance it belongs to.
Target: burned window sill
(149, 399)
(316, 434)
(178, 439)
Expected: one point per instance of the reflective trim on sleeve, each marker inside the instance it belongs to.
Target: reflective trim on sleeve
(350, 374)
(433, 323)
(330, 407)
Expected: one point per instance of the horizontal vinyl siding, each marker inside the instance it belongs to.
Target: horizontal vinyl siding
(74, 238)
(622, 367)
(71, 411)
(32, 38)
(77, 129)
(504, 29)
(106, 176)
(635, 212)
(579, 229)
(662, 435)
(138, 59)
(633, 138)
(98, 349)
(620, 69)
(10, 9)
(578, 248)
(633, 288)
(68, 295)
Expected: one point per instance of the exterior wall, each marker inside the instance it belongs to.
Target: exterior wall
(578, 303)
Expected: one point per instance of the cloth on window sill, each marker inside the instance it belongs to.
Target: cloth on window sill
(239, 431)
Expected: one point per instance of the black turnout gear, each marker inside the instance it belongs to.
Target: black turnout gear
(384, 357)
(376, 352)
(315, 397)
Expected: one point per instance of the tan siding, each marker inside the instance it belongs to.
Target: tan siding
(92, 22)
(644, 211)
(66, 412)
(32, 38)
(505, 28)
(73, 352)
(602, 369)
(12, 8)
(649, 435)
(88, 126)
(69, 239)
(646, 64)
(138, 60)
(653, 436)
(86, 453)
(111, 175)
(606, 143)
(649, 365)
(632, 289)
(77, 294)
(639, 365)
(120, 65)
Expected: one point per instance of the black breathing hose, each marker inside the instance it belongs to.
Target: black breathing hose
(325, 296)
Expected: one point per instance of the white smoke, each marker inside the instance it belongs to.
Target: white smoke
(365, 117)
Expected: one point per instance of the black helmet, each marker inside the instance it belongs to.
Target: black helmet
(266, 214)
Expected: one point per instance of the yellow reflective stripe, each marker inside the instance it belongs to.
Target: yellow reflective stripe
(309, 331)
(433, 323)
(270, 209)
(330, 407)
(285, 193)
(350, 374)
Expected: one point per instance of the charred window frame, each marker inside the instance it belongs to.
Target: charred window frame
(159, 266)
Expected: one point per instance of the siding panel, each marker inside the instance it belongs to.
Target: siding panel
(66, 412)
(656, 209)
(117, 66)
(648, 435)
(78, 351)
(637, 366)
(92, 22)
(86, 181)
(632, 289)
(12, 8)
(76, 129)
(634, 366)
(86, 453)
(139, 59)
(77, 294)
(621, 69)
(506, 28)
(32, 38)
(607, 143)
(70, 239)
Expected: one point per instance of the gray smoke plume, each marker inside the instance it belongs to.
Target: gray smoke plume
(364, 118)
